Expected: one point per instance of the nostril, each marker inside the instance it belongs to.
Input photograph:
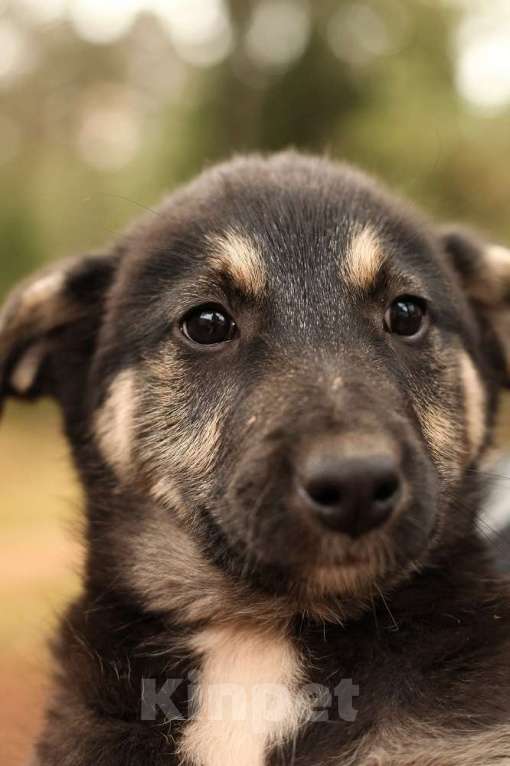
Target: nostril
(351, 495)
(386, 490)
(327, 494)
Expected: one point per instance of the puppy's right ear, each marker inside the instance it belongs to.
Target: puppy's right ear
(49, 326)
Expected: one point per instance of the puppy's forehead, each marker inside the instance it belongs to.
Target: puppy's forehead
(250, 264)
(294, 228)
(306, 224)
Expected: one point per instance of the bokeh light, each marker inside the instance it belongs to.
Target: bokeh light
(278, 32)
(16, 54)
(109, 127)
(483, 51)
(102, 22)
(358, 32)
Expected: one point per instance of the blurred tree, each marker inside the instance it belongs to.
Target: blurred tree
(89, 133)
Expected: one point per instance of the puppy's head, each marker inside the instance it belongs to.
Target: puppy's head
(284, 379)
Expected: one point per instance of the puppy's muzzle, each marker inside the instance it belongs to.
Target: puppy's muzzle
(350, 493)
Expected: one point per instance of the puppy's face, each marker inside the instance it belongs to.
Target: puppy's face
(284, 367)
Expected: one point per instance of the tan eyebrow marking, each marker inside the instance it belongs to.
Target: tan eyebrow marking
(239, 257)
(363, 259)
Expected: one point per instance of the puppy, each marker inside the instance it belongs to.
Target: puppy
(278, 389)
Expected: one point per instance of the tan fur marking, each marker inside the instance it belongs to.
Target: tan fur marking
(114, 421)
(45, 304)
(240, 258)
(498, 264)
(474, 404)
(441, 433)
(171, 573)
(363, 259)
(492, 278)
(166, 491)
(36, 307)
(248, 699)
(178, 445)
(42, 291)
(196, 449)
(25, 372)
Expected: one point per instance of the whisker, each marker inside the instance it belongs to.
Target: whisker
(494, 537)
(374, 612)
(395, 623)
(489, 474)
(132, 202)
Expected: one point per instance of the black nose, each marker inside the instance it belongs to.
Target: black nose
(350, 494)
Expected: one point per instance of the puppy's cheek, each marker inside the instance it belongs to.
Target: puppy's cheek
(415, 533)
(439, 404)
(180, 434)
(454, 422)
(115, 423)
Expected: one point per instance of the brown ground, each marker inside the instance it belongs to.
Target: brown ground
(38, 498)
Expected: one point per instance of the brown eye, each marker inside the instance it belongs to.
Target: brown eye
(406, 316)
(208, 325)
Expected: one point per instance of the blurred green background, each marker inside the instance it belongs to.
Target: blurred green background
(107, 104)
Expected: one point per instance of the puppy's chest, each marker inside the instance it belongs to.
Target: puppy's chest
(248, 700)
(258, 702)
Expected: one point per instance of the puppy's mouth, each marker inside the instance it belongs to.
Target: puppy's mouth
(293, 562)
(281, 553)
(339, 560)
(352, 560)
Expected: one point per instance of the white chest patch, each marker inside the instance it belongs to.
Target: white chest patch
(248, 698)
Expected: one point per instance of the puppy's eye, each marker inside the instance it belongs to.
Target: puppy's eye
(208, 325)
(406, 316)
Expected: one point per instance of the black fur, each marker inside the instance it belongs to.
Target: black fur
(426, 635)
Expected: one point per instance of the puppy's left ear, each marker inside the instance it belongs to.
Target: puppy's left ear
(484, 272)
(49, 326)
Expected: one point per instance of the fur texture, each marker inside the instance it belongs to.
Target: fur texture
(220, 623)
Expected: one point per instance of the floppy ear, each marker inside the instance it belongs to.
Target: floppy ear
(484, 271)
(49, 326)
